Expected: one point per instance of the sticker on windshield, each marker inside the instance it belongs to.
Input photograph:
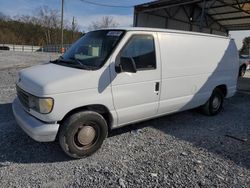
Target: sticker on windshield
(114, 33)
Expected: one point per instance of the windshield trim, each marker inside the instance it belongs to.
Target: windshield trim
(93, 68)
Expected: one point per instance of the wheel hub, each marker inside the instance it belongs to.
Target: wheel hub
(86, 135)
(216, 102)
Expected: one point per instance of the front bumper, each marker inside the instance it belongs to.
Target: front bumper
(36, 129)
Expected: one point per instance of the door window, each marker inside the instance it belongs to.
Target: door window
(142, 49)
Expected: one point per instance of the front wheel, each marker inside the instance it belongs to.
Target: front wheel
(82, 134)
(214, 105)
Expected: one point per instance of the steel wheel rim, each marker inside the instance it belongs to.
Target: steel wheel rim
(86, 136)
(216, 103)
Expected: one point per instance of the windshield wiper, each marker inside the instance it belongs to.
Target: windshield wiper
(81, 64)
(56, 60)
(72, 62)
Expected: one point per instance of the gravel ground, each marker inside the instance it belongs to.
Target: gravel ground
(244, 82)
(181, 150)
(10, 59)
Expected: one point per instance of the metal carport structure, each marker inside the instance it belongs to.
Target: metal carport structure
(208, 16)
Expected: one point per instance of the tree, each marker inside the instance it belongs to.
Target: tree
(50, 20)
(42, 28)
(245, 49)
(105, 22)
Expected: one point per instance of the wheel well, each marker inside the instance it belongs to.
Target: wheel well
(223, 89)
(101, 109)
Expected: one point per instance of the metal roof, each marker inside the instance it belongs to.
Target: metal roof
(230, 14)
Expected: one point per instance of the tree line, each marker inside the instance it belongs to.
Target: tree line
(44, 28)
(40, 29)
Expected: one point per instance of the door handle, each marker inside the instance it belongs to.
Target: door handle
(157, 87)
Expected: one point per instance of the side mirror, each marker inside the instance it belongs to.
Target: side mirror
(127, 64)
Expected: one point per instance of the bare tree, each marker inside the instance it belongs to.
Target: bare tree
(4, 17)
(41, 28)
(49, 19)
(105, 22)
(245, 49)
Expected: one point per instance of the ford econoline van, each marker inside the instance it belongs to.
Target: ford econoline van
(113, 77)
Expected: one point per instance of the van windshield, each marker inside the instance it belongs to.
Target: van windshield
(92, 50)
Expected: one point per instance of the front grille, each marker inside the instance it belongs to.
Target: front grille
(23, 97)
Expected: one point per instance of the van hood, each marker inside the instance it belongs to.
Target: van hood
(47, 79)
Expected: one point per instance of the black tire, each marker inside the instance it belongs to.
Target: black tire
(242, 71)
(211, 108)
(73, 129)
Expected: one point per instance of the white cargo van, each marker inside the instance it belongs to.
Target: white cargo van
(113, 77)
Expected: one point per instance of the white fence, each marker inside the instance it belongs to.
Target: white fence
(20, 48)
(31, 48)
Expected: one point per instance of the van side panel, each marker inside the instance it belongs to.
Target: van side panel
(134, 94)
(192, 66)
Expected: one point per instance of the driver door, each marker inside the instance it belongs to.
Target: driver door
(136, 95)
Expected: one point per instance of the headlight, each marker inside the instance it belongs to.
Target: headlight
(41, 105)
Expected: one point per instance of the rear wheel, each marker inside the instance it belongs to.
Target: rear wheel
(82, 134)
(214, 105)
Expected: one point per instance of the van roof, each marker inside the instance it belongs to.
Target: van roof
(165, 31)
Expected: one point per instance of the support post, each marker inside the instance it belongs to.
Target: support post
(62, 25)
(135, 18)
(249, 48)
(202, 15)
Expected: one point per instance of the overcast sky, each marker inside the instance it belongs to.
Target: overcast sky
(86, 13)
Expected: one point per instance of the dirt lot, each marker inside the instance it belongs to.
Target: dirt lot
(181, 150)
